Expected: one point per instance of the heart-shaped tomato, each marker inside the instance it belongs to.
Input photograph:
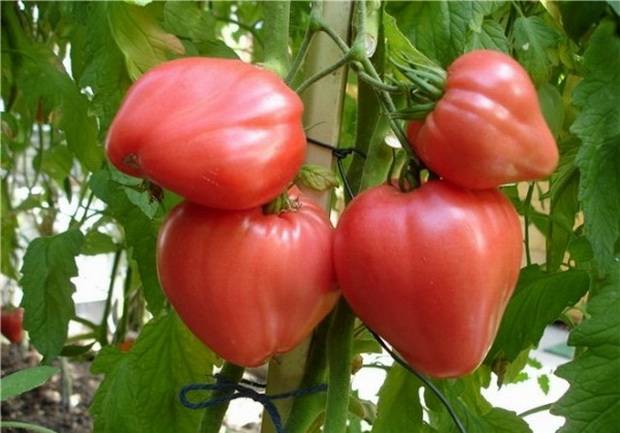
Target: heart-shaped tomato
(430, 270)
(250, 285)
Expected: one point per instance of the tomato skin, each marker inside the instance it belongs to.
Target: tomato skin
(487, 129)
(431, 271)
(249, 285)
(219, 132)
(11, 324)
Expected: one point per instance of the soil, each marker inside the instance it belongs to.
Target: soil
(44, 406)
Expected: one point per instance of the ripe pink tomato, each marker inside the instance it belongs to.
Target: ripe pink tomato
(487, 129)
(249, 285)
(430, 270)
(219, 132)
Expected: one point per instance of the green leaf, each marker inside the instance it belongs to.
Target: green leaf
(441, 30)
(543, 383)
(398, 44)
(57, 163)
(96, 60)
(43, 76)
(579, 17)
(8, 234)
(534, 39)
(76, 350)
(49, 265)
(379, 156)
(592, 403)
(316, 177)
(140, 390)
(598, 127)
(538, 300)
(552, 106)
(143, 200)
(399, 408)
(477, 414)
(138, 35)
(24, 380)
(490, 35)
(96, 242)
(140, 232)
(189, 20)
(563, 209)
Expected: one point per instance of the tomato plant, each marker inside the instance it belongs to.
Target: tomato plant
(265, 275)
(189, 124)
(413, 126)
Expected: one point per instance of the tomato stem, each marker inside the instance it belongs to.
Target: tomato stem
(303, 50)
(526, 223)
(277, 16)
(321, 74)
(306, 409)
(339, 347)
(213, 416)
(282, 203)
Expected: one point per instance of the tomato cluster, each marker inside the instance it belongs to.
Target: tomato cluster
(228, 137)
(431, 270)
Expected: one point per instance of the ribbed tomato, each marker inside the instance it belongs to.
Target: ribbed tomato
(219, 132)
(249, 285)
(430, 270)
(487, 129)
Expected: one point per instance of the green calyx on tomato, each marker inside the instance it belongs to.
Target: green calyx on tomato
(219, 132)
(430, 270)
(250, 285)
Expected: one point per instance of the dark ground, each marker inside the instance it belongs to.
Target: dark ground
(43, 405)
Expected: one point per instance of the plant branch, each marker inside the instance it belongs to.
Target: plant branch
(213, 416)
(301, 54)
(543, 408)
(277, 15)
(526, 220)
(321, 74)
(339, 345)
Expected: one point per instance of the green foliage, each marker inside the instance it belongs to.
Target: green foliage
(538, 300)
(49, 265)
(592, 404)
(445, 30)
(598, 127)
(534, 40)
(24, 380)
(140, 38)
(476, 413)
(140, 390)
(398, 395)
(140, 231)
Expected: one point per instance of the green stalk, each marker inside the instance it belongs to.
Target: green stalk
(103, 327)
(306, 409)
(213, 416)
(316, 77)
(277, 16)
(301, 55)
(339, 346)
(526, 222)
